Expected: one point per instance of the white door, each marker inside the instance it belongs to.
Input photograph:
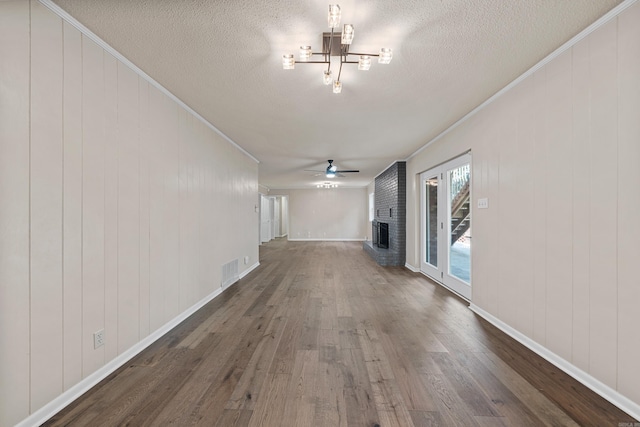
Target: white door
(272, 207)
(265, 220)
(276, 217)
(284, 216)
(446, 224)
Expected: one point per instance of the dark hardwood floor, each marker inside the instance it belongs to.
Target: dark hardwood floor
(319, 335)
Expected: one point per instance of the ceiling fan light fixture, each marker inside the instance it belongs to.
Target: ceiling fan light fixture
(347, 34)
(364, 63)
(288, 61)
(334, 16)
(385, 55)
(327, 78)
(332, 171)
(305, 53)
(337, 86)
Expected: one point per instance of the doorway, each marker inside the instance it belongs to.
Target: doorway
(446, 224)
(265, 219)
(274, 217)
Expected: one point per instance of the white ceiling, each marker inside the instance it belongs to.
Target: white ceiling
(223, 58)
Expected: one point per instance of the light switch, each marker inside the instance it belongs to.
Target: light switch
(483, 203)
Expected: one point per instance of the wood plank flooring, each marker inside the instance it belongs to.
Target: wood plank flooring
(319, 335)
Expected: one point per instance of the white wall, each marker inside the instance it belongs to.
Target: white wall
(371, 188)
(555, 255)
(326, 214)
(117, 208)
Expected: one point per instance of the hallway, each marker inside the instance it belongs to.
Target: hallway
(319, 335)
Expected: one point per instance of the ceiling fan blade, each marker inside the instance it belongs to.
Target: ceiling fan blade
(347, 171)
(312, 170)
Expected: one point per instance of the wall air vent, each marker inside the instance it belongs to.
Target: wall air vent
(230, 273)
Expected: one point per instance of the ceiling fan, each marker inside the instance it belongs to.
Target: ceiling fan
(332, 171)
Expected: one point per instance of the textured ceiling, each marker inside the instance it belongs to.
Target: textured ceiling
(223, 59)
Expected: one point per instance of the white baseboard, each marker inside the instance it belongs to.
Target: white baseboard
(608, 393)
(411, 267)
(249, 270)
(326, 240)
(59, 403)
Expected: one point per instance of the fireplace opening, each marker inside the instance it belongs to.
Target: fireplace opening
(383, 235)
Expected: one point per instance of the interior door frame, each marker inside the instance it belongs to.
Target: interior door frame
(440, 273)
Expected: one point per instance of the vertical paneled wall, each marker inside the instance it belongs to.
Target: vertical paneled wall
(555, 255)
(15, 322)
(46, 192)
(117, 207)
(628, 204)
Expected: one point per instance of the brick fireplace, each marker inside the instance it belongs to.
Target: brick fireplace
(390, 209)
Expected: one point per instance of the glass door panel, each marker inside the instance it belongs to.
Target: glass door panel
(431, 192)
(431, 223)
(459, 239)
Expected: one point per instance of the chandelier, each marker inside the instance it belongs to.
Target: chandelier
(330, 43)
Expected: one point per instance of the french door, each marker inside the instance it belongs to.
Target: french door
(446, 224)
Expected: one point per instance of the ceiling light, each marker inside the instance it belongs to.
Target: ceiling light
(385, 55)
(364, 63)
(327, 185)
(327, 78)
(347, 34)
(288, 63)
(305, 53)
(336, 44)
(334, 16)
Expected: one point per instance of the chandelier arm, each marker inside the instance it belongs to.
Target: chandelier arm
(361, 54)
(328, 58)
(331, 42)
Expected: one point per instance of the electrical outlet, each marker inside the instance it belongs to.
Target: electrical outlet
(98, 338)
(246, 260)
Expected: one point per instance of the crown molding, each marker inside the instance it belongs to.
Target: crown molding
(613, 13)
(104, 45)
